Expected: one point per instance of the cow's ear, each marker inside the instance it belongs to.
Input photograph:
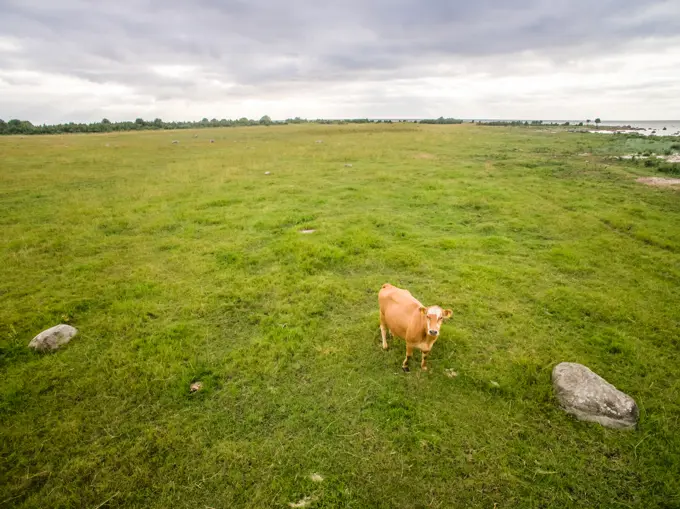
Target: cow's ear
(423, 310)
(447, 313)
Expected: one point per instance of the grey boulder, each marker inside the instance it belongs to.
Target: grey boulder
(53, 338)
(589, 397)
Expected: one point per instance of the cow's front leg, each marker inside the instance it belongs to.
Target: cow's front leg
(422, 362)
(409, 354)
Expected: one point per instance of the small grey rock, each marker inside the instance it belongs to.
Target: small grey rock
(318, 141)
(53, 338)
(267, 172)
(175, 142)
(348, 165)
(589, 397)
(212, 141)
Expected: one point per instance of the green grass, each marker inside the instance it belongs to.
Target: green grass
(644, 151)
(180, 263)
(642, 145)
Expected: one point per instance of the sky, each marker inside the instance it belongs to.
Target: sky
(84, 60)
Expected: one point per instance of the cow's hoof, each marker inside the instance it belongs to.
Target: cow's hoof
(406, 370)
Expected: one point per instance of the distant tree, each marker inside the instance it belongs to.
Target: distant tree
(440, 120)
(597, 121)
(266, 120)
(139, 121)
(158, 123)
(104, 126)
(3, 126)
(16, 126)
(588, 121)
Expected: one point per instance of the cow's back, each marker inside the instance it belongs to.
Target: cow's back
(397, 307)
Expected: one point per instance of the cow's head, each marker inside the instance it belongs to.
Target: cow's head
(434, 316)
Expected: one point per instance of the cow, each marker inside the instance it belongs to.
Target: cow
(404, 316)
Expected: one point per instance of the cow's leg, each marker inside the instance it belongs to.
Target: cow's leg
(383, 331)
(409, 354)
(422, 362)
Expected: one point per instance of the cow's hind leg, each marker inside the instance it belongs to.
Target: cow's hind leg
(409, 354)
(383, 331)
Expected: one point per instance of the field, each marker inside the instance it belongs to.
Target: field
(183, 263)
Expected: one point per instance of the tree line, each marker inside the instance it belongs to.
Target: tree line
(16, 126)
(532, 123)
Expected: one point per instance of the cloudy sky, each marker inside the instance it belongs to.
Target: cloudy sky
(82, 60)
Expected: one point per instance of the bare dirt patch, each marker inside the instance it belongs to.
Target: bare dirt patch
(424, 155)
(658, 181)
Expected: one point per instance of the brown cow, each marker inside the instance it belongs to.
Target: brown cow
(404, 316)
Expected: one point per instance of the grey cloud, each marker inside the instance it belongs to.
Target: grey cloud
(349, 33)
(271, 45)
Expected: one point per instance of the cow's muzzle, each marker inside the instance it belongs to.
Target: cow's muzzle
(433, 332)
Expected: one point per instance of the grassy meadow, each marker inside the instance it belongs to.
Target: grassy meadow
(184, 263)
